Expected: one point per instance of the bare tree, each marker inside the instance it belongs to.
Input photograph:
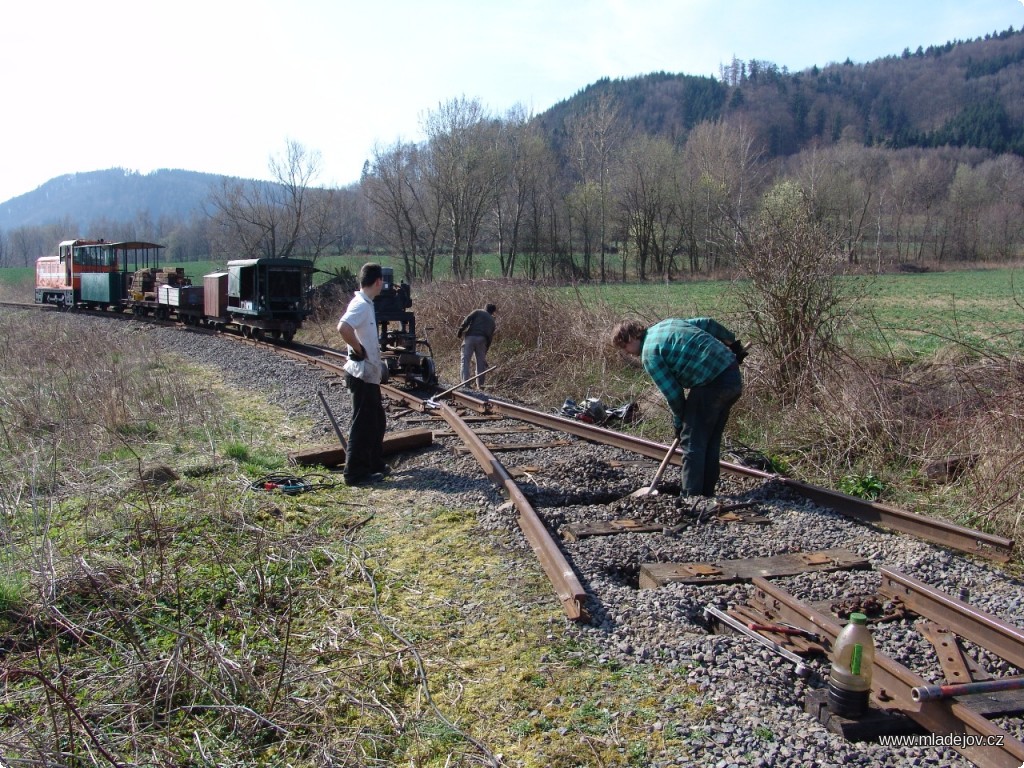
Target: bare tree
(594, 139)
(527, 164)
(794, 298)
(274, 219)
(465, 173)
(725, 173)
(406, 214)
(649, 204)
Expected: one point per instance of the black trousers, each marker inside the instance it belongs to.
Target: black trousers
(364, 455)
(707, 411)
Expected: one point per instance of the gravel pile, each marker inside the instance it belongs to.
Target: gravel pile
(756, 700)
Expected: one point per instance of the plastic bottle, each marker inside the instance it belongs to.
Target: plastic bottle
(853, 657)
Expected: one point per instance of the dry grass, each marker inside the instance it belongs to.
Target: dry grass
(874, 428)
(545, 348)
(176, 617)
(942, 436)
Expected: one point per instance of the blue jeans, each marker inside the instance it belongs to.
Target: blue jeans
(707, 411)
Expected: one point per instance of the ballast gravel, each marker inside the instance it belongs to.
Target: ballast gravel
(754, 700)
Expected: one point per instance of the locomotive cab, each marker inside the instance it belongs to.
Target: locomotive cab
(268, 295)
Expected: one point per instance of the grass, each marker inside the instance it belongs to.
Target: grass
(202, 622)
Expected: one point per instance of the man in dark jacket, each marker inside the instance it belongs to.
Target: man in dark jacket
(700, 355)
(477, 332)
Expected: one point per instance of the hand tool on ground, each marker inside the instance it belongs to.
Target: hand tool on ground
(650, 489)
(783, 629)
(432, 402)
(801, 668)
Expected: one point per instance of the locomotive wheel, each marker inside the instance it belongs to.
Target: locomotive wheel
(289, 335)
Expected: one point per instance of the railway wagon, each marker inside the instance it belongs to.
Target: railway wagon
(266, 296)
(259, 296)
(90, 272)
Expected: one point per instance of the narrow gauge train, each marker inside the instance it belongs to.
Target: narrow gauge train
(255, 296)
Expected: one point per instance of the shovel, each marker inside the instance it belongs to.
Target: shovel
(651, 490)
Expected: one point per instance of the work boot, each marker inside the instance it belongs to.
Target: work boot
(370, 479)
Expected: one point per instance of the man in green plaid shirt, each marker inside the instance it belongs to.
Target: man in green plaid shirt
(699, 355)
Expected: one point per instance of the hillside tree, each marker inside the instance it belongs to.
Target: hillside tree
(278, 219)
(464, 173)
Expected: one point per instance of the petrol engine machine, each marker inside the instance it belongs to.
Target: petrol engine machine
(396, 324)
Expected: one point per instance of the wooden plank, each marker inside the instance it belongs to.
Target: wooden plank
(489, 431)
(577, 531)
(653, 575)
(334, 455)
(746, 518)
(875, 722)
(525, 471)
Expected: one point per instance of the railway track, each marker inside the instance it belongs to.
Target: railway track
(637, 576)
(560, 540)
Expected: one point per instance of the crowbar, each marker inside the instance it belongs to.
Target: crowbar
(432, 402)
(801, 668)
(334, 421)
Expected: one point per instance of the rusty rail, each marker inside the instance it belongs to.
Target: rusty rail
(568, 588)
(963, 620)
(892, 685)
(926, 528)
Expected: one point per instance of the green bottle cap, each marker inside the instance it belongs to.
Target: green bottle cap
(858, 618)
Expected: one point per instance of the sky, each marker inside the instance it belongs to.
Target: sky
(222, 86)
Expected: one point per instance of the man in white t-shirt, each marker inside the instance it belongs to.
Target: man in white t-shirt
(364, 458)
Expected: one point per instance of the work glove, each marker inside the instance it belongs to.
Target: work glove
(739, 350)
(357, 356)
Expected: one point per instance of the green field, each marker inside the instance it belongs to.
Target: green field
(901, 313)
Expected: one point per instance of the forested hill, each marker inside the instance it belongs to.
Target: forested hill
(962, 93)
(115, 194)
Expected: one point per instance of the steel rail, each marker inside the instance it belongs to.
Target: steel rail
(567, 586)
(892, 683)
(966, 621)
(923, 527)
